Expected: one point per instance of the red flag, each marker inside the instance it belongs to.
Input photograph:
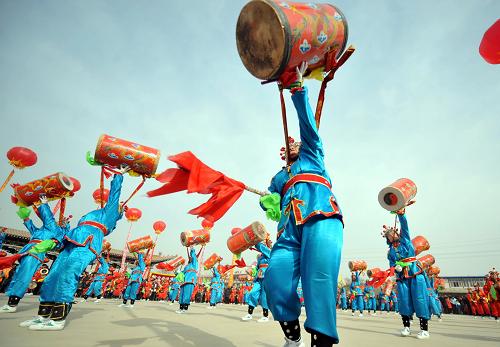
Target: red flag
(194, 176)
(380, 277)
(9, 261)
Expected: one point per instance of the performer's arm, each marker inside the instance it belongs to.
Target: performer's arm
(47, 217)
(405, 232)
(112, 206)
(194, 258)
(142, 264)
(263, 249)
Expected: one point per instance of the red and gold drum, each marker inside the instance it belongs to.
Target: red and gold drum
(247, 237)
(211, 261)
(56, 186)
(274, 37)
(106, 246)
(427, 261)
(176, 262)
(434, 270)
(113, 151)
(142, 243)
(388, 287)
(420, 244)
(357, 265)
(195, 237)
(373, 271)
(397, 195)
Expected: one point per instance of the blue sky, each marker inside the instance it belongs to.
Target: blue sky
(415, 100)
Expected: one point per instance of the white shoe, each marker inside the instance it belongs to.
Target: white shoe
(8, 309)
(247, 317)
(49, 325)
(291, 343)
(405, 331)
(83, 300)
(361, 315)
(97, 301)
(129, 306)
(171, 303)
(210, 307)
(423, 335)
(180, 311)
(352, 314)
(263, 320)
(373, 314)
(35, 320)
(122, 305)
(440, 319)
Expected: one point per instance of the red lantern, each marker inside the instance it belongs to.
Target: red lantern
(489, 47)
(235, 230)
(98, 198)
(21, 157)
(159, 227)
(207, 224)
(76, 185)
(133, 214)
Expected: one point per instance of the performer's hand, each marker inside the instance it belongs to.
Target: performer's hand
(43, 199)
(124, 168)
(300, 71)
(23, 212)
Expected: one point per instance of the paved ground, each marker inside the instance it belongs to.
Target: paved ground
(156, 324)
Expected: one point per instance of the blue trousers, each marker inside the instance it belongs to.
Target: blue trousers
(173, 294)
(131, 291)
(23, 275)
(95, 287)
(395, 306)
(215, 296)
(186, 292)
(413, 297)
(384, 306)
(358, 303)
(258, 295)
(372, 304)
(343, 303)
(311, 252)
(435, 306)
(61, 283)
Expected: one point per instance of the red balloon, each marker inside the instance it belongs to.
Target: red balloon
(76, 184)
(489, 47)
(207, 224)
(235, 230)
(97, 195)
(159, 226)
(133, 214)
(21, 157)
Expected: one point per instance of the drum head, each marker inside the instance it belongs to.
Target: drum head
(261, 39)
(65, 180)
(259, 230)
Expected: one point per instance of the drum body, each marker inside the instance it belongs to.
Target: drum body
(55, 186)
(113, 151)
(357, 265)
(397, 195)
(211, 261)
(420, 244)
(373, 271)
(247, 237)
(142, 243)
(176, 262)
(434, 270)
(195, 237)
(427, 261)
(274, 37)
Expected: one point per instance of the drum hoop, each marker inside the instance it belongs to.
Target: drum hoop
(259, 230)
(287, 33)
(61, 176)
(346, 29)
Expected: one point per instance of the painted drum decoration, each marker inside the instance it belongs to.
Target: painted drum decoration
(195, 237)
(420, 244)
(388, 287)
(113, 151)
(397, 195)
(427, 261)
(142, 243)
(434, 270)
(55, 186)
(247, 237)
(373, 271)
(176, 262)
(274, 37)
(211, 261)
(357, 265)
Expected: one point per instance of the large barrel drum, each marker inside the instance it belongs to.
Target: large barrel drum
(434, 270)
(274, 37)
(113, 151)
(211, 261)
(420, 244)
(357, 265)
(176, 262)
(195, 237)
(396, 195)
(55, 186)
(371, 272)
(427, 261)
(247, 237)
(142, 243)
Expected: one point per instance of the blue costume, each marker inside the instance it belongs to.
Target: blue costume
(134, 281)
(190, 277)
(384, 301)
(215, 288)
(30, 263)
(174, 289)
(310, 235)
(83, 245)
(394, 300)
(343, 298)
(99, 278)
(358, 302)
(411, 280)
(371, 299)
(257, 294)
(435, 304)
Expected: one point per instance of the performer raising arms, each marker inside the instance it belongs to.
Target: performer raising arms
(96, 287)
(215, 288)
(134, 282)
(411, 279)
(358, 302)
(190, 277)
(310, 236)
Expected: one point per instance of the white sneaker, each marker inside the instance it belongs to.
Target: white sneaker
(247, 317)
(210, 307)
(8, 309)
(291, 343)
(361, 315)
(34, 320)
(179, 311)
(97, 301)
(373, 314)
(129, 306)
(83, 300)
(49, 325)
(440, 319)
(122, 305)
(171, 303)
(423, 335)
(263, 320)
(405, 331)
(352, 314)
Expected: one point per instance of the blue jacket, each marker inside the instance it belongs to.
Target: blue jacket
(136, 275)
(215, 282)
(191, 269)
(305, 199)
(103, 270)
(356, 285)
(370, 291)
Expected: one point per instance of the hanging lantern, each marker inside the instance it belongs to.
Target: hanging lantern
(19, 157)
(490, 44)
(207, 224)
(100, 199)
(133, 214)
(159, 226)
